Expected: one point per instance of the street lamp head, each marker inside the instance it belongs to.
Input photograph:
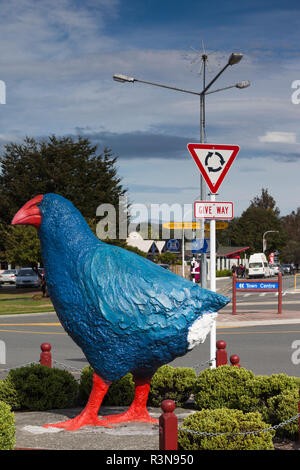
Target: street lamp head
(235, 58)
(122, 78)
(243, 84)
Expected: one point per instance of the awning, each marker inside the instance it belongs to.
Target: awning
(231, 252)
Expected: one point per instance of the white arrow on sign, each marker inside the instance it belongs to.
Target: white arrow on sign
(213, 210)
(213, 161)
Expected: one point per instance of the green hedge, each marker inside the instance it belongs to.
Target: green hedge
(41, 388)
(174, 383)
(239, 388)
(275, 396)
(7, 427)
(221, 387)
(9, 395)
(261, 388)
(223, 273)
(281, 408)
(229, 421)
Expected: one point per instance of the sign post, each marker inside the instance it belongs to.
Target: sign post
(213, 335)
(213, 162)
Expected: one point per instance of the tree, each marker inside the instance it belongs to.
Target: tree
(69, 167)
(166, 258)
(291, 222)
(22, 246)
(63, 165)
(265, 201)
(262, 215)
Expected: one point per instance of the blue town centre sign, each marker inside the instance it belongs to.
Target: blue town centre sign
(256, 286)
(259, 285)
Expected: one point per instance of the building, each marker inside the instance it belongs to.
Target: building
(151, 247)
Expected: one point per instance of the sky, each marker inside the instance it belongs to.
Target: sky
(57, 60)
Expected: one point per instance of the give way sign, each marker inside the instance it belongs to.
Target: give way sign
(213, 161)
(213, 210)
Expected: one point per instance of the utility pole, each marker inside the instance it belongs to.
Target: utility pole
(203, 267)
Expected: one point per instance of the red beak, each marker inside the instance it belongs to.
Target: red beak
(29, 214)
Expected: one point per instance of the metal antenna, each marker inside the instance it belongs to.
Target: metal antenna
(213, 60)
(195, 59)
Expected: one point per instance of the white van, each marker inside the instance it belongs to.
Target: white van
(258, 266)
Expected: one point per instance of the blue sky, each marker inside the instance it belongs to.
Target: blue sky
(58, 58)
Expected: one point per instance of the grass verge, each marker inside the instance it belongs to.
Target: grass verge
(11, 304)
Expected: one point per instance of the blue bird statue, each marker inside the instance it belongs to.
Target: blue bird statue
(126, 313)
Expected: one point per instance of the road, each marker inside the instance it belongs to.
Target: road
(263, 349)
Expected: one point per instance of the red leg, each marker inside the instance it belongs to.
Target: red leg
(89, 416)
(138, 409)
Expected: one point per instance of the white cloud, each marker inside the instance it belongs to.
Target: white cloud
(282, 137)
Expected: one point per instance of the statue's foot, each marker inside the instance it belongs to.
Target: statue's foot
(83, 419)
(129, 415)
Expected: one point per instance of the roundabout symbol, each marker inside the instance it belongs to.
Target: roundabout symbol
(210, 168)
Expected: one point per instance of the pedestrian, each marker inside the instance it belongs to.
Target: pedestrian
(243, 270)
(44, 286)
(240, 270)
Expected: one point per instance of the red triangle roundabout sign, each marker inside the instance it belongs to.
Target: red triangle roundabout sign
(213, 161)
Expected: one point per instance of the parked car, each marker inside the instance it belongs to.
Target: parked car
(26, 277)
(258, 266)
(276, 268)
(282, 270)
(165, 266)
(288, 269)
(8, 276)
(272, 270)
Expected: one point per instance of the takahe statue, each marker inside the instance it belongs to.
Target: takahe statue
(126, 313)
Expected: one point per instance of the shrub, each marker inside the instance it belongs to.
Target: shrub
(8, 394)
(7, 427)
(221, 387)
(238, 388)
(260, 388)
(42, 388)
(225, 421)
(174, 383)
(223, 273)
(281, 408)
(297, 381)
(120, 393)
(85, 385)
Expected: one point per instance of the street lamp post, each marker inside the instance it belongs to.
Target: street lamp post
(268, 231)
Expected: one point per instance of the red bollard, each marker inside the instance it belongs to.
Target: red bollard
(168, 427)
(46, 356)
(221, 354)
(235, 360)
